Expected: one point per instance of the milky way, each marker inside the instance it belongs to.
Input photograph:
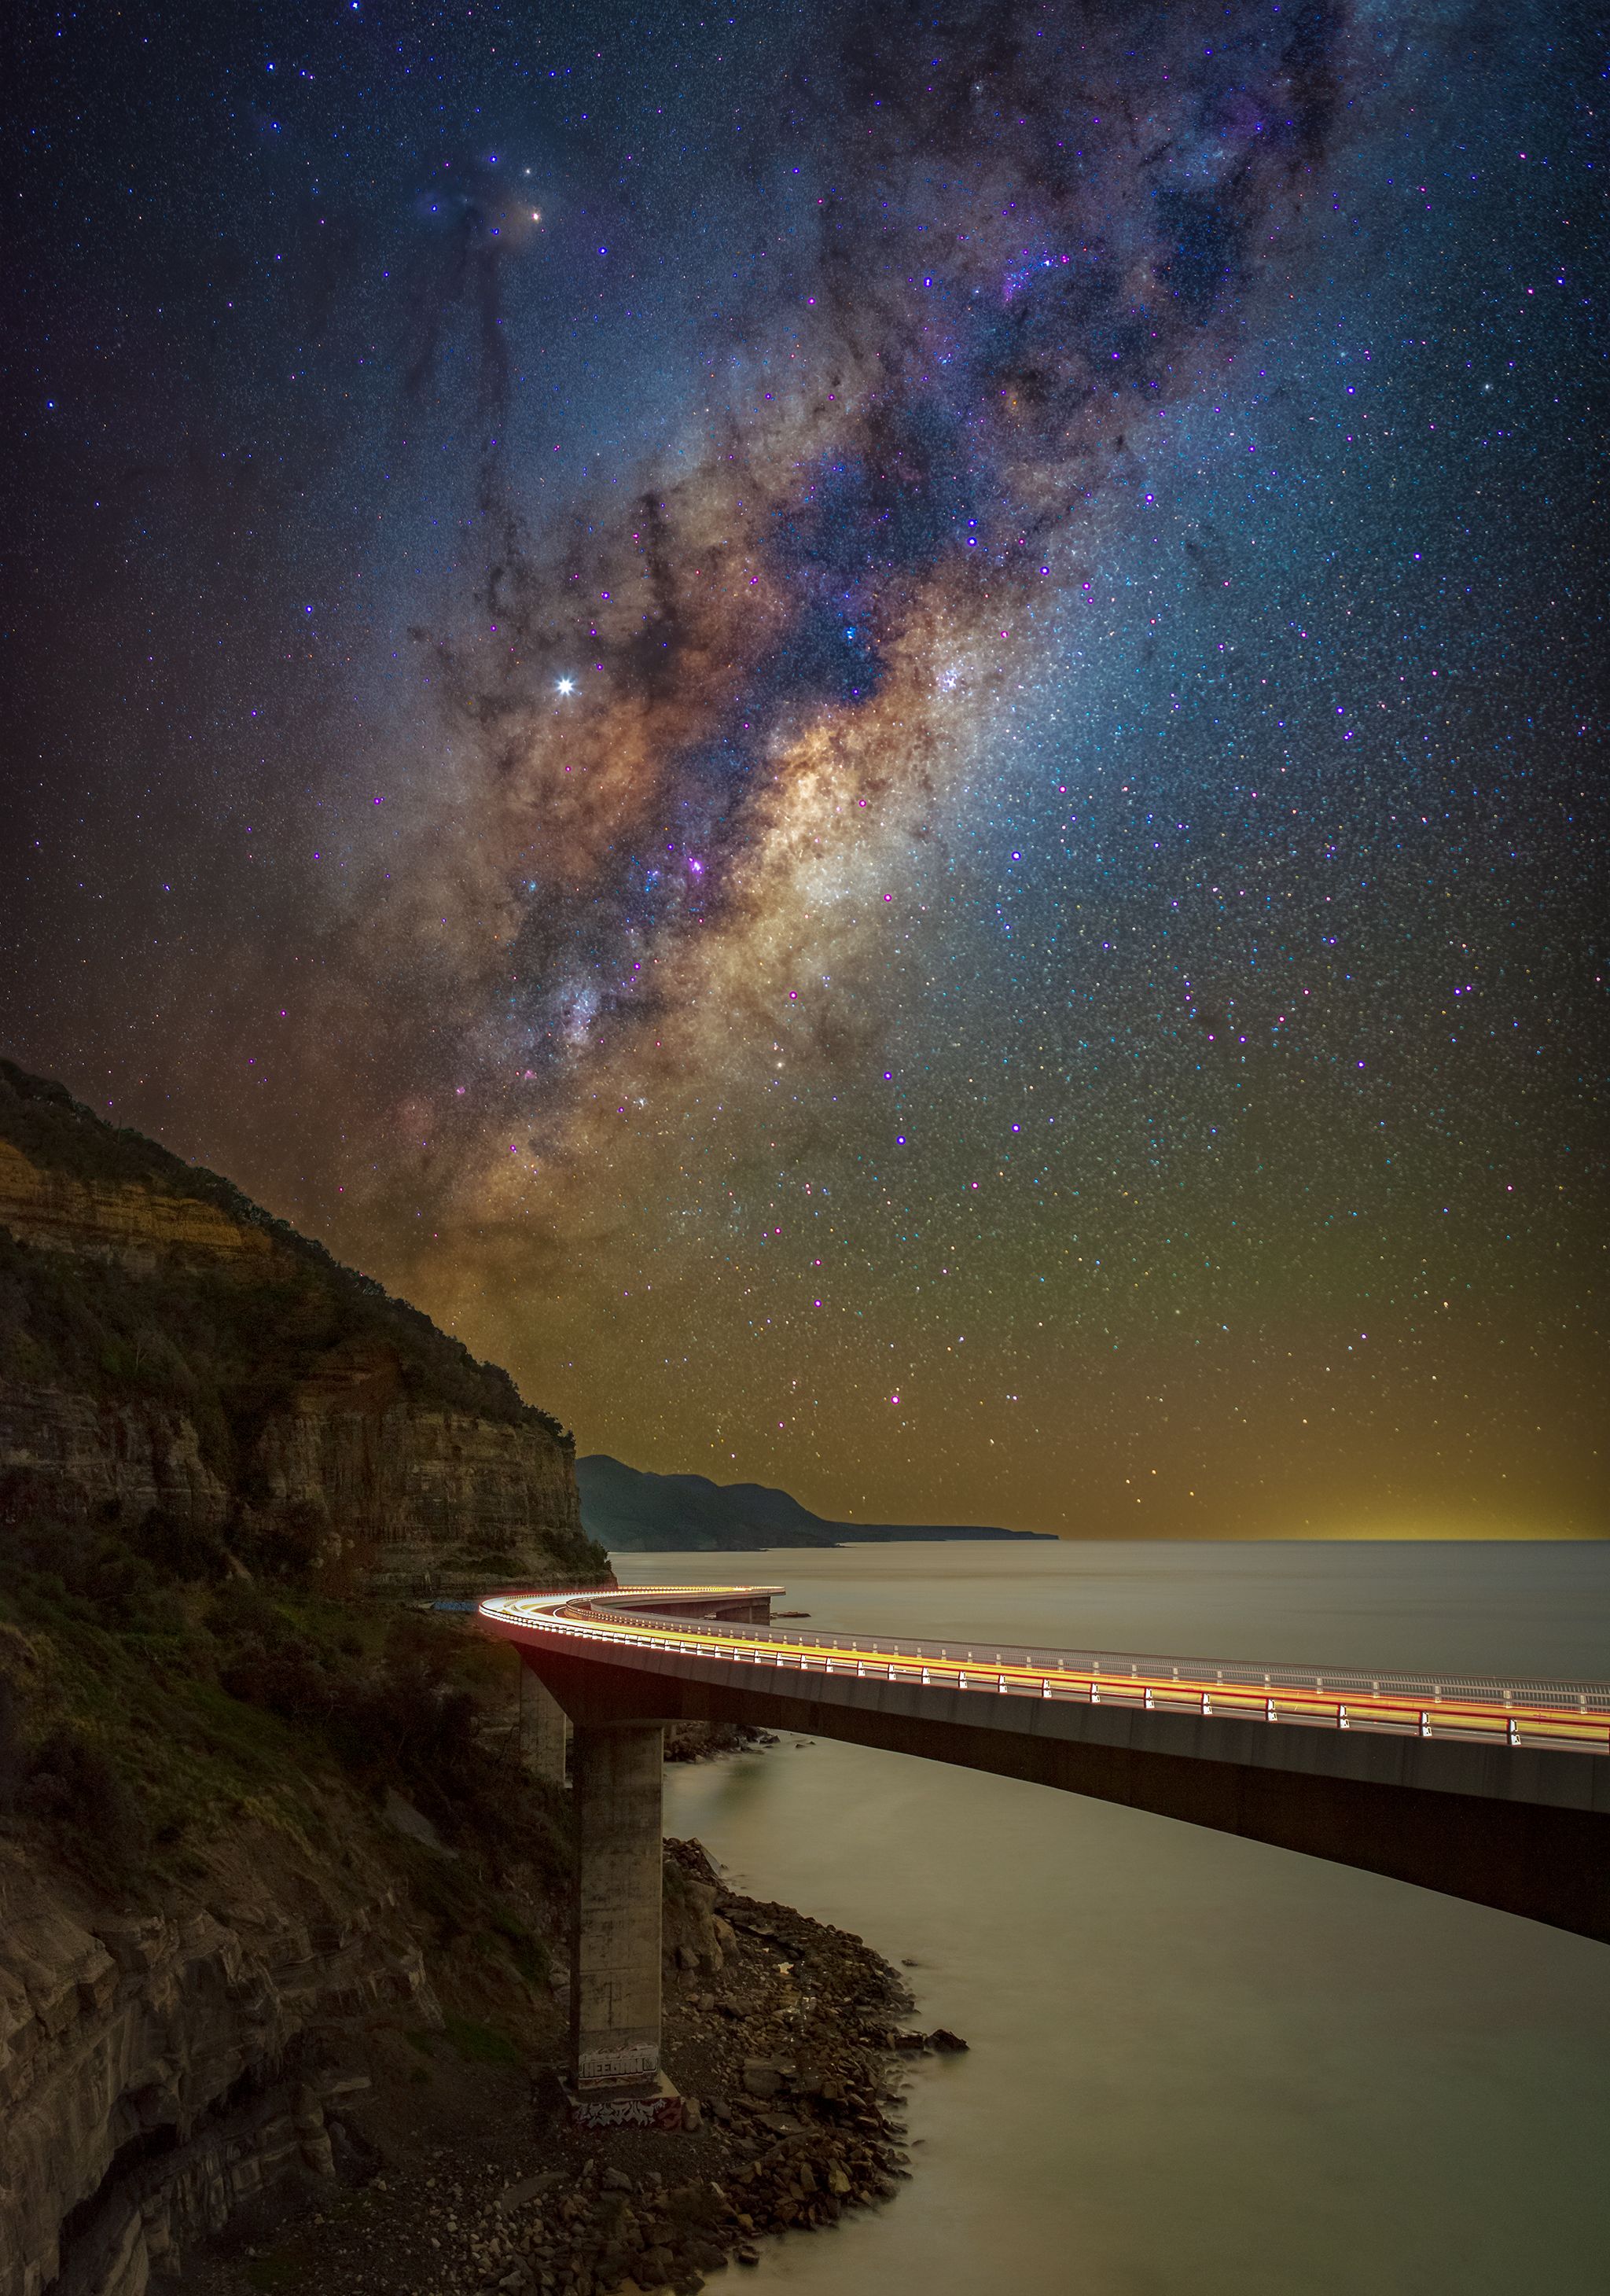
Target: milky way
(864, 732)
(704, 734)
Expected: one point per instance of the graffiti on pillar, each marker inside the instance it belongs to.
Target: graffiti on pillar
(626, 2112)
(617, 2064)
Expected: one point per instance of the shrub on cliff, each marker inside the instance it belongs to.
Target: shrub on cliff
(146, 1697)
(183, 1552)
(403, 1717)
(89, 1574)
(70, 1783)
(58, 1777)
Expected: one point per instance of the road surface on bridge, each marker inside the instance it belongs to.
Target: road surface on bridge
(1495, 1791)
(1466, 1709)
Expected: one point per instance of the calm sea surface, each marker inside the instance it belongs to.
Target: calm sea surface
(1200, 2067)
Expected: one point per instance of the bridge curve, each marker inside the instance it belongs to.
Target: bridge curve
(1497, 1791)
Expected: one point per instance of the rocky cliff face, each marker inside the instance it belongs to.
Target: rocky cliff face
(428, 1500)
(421, 1502)
(127, 1220)
(259, 1856)
(165, 1345)
(261, 1837)
(74, 1452)
(158, 2070)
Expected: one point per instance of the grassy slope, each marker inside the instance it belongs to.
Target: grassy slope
(153, 1707)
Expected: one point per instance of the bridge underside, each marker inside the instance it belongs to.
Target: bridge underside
(1543, 1859)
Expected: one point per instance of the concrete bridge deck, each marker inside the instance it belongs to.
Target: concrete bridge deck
(1497, 1791)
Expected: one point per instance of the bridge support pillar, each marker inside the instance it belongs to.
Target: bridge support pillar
(544, 1729)
(615, 1948)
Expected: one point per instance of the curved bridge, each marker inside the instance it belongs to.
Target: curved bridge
(1493, 1791)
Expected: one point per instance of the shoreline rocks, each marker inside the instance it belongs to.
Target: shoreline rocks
(785, 2051)
(702, 1741)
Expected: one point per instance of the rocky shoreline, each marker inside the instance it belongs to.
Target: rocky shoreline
(782, 2033)
(704, 1742)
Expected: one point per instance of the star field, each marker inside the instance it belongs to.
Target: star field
(875, 736)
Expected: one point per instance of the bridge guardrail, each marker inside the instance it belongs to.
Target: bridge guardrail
(1478, 1710)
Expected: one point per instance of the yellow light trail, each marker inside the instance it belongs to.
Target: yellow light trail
(1574, 1716)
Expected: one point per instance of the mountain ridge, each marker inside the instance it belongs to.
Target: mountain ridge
(633, 1510)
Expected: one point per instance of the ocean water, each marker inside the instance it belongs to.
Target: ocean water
(1198, 2066)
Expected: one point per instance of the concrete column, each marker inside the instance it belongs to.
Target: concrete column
(544, 1729)
(616, 1921)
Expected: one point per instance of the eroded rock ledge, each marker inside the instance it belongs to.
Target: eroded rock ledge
(158, 2070)
(779, 2033)
(277, 2071)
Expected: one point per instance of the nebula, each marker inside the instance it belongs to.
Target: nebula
(699, 731)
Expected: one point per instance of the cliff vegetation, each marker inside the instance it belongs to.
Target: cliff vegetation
(264, 1853)
(267, 1844)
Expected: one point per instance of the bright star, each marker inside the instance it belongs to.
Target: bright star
(564, 685)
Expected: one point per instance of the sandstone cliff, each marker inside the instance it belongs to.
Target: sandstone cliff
(166, 1345)
(134, 1220)
(264, 1841)
(254, 1854)
(160, 2068)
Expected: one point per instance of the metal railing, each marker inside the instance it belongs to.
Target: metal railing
(1474, 1709)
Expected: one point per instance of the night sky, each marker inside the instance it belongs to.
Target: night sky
(874, 734)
